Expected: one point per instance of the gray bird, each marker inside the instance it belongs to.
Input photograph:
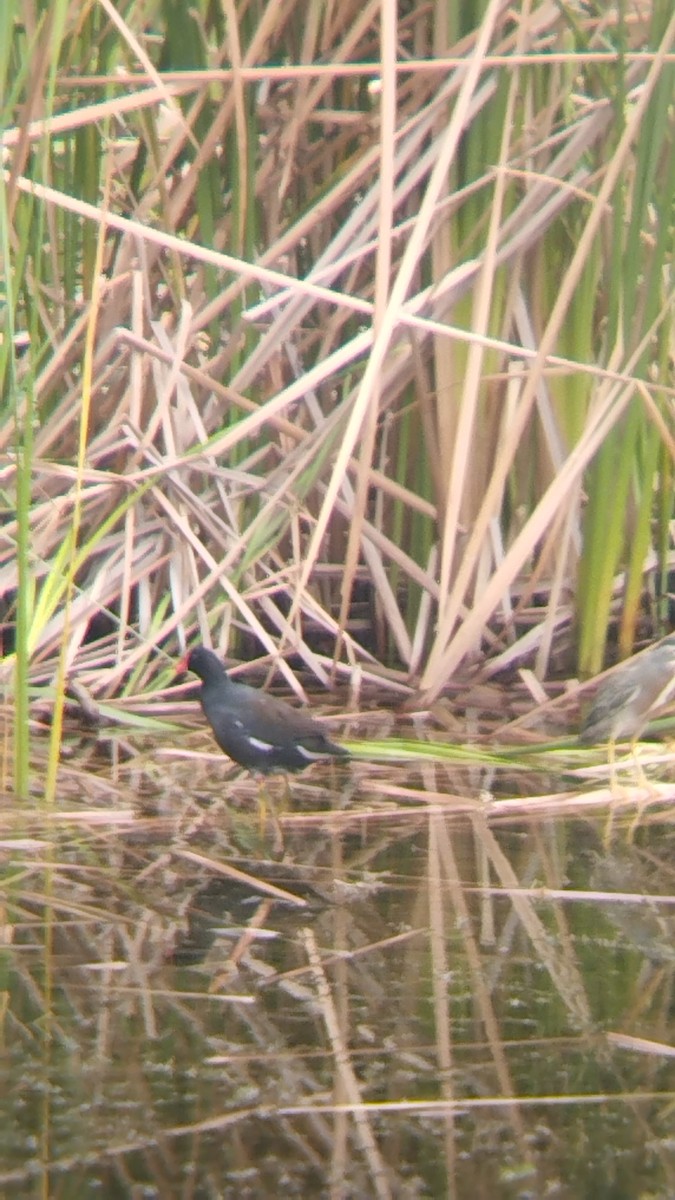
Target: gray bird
(258, 731)
(627, 699)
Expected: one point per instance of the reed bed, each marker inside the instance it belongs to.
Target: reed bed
(341, 341)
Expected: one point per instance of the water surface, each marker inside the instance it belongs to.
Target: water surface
(385, 983)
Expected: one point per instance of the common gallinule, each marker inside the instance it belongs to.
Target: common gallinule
(258, 731)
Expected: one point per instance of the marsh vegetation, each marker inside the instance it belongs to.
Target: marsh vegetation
(338, 338)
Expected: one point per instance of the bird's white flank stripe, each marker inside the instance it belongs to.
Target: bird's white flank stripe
(310, 755)
(265, 747)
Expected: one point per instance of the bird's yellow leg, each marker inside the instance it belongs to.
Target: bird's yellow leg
(285, 803)
(262, 806)
(616, 793)
(266, 804)
(639, 772)
(644, 783)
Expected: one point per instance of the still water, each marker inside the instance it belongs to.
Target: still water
(386, 981)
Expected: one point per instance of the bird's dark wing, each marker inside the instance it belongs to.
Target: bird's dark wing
(244, 712)
(283, 723)
(608, 713)
(623, 707)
